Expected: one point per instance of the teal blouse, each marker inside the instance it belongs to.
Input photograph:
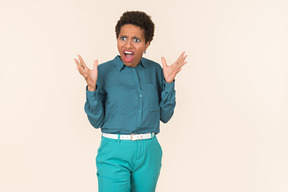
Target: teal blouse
(130, 100)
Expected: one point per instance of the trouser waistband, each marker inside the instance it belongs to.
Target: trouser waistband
(132, 137)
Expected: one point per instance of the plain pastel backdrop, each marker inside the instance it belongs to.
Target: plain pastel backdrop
(229, 132)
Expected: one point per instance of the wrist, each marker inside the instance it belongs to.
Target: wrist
(171, 81)
(91, 88)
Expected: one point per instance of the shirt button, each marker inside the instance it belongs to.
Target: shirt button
(140, 95)
(133, 69)
(139, 111)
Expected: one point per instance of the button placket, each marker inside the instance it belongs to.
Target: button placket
(140, 94)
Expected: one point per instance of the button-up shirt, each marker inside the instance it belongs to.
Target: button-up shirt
(130, 100)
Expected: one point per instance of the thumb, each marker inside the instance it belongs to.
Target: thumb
(163, 60)
(95, 64)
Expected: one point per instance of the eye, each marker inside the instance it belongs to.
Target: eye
(123, 38)
(136, 40)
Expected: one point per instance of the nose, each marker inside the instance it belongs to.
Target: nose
(128, 44)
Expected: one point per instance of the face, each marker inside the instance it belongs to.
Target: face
(131, 44)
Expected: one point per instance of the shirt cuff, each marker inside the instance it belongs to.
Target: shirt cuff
(169, 87)
(91, 94)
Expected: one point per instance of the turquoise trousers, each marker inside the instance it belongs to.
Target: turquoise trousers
(128, 166)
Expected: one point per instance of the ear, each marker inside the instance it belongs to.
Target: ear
(147, 45)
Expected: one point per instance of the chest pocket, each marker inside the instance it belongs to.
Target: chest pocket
(153, 97)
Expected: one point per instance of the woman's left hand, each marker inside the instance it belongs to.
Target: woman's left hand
(171, 71)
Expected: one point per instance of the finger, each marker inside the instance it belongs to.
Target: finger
(80, 70)
(180, 57)
(183, 59)
(182, 64)
(95, 64)
(178, 71)
(82, 62)
(77, 63)
(163, 62)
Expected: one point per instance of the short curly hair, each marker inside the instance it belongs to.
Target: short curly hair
(139, 19)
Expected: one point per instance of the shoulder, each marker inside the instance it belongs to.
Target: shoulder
(105, 66)
(151, 64)
(104, 70)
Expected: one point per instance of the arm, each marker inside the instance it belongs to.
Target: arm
(167, 102)
(94, 107)
(94, 96)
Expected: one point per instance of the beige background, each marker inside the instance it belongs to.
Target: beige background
(229, 131)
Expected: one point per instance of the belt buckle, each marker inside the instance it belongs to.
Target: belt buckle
(131, 137)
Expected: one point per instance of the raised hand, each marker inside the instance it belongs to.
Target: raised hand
(171, 71)
(89, 75)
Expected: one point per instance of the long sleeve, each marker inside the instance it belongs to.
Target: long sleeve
(130, 99)
(167, 101)
(94, 107)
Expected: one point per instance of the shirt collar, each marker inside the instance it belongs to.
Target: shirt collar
(120, 65)
(143, 63)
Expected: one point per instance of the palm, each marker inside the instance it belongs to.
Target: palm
(90, 75)
(171, 71)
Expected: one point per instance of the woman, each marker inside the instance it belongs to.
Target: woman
(127, 97)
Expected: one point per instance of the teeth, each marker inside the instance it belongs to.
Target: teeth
(128, 52)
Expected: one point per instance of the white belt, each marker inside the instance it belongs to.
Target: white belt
(132, 137)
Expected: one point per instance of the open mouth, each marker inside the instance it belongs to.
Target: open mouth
(128, 56)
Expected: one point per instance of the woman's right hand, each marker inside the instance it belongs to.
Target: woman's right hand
(89, 75)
